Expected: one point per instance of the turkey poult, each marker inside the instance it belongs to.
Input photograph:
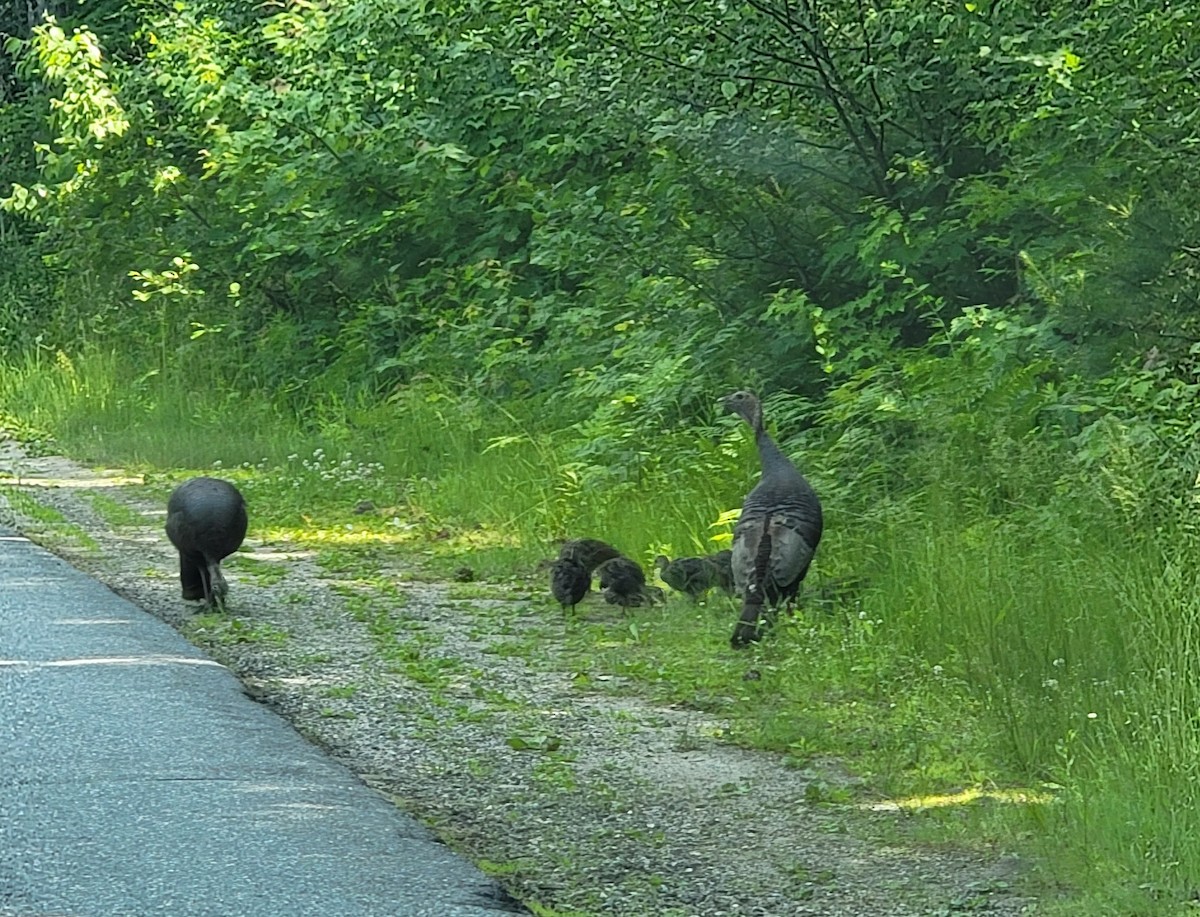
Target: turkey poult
(693, 576)
(778, 532)
(571, 572)
(206, 521)
(588, 552)
(723, 562)
(569, 582)
(623, 583)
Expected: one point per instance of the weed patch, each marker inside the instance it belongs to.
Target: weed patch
(215, 629)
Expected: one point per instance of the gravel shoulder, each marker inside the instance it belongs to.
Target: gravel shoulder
(584, 801)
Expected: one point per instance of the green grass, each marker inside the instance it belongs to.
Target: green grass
(263, 572)
(452, 479)
(1045, 649)
(47, 521)
(218, 630)
(114, 512)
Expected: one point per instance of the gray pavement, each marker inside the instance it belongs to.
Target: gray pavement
(137, 779)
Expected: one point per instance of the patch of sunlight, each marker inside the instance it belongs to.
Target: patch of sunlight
(305, 680)
(961, 798)
(73, 479)
(152, 659)
(353, 534)
(315, 806)
(90, 621)
(267, 556)
(709, 729)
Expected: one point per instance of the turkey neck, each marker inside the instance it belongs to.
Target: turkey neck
(769, 453)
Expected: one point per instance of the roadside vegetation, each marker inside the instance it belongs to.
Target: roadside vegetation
(461, 281)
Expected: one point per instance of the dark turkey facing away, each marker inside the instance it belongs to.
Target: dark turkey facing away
(206, 521)
(777, 533)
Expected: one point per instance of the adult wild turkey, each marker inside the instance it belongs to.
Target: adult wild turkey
(569, 582)
(206, 521)
(778, 532)
(623, 583)
(692, 576)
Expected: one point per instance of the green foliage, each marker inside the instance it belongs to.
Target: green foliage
(488, 268)
(780, 192)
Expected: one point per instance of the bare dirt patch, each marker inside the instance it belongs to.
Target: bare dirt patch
(580, 801)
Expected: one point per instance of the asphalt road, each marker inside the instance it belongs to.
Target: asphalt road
(137, 779)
